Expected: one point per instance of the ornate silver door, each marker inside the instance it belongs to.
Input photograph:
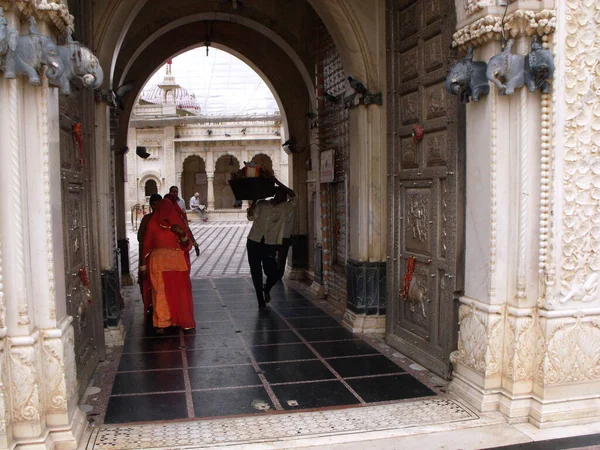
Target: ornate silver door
(80, 231)
(427, 168)
(84, 297)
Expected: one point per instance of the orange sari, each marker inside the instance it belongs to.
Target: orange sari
(168, 269)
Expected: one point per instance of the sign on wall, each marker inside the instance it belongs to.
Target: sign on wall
(200, 178)
(327, 173)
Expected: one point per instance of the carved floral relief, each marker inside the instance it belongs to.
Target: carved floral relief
(480, 340)
(580, 274)
(24, 384)
(571, 353)
(54, 375)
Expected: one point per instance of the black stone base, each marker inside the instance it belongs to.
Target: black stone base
(366, 287)
(111, 298)
(299, 251)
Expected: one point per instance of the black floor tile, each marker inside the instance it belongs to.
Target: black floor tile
(219, 315)
(254, 313)
(270, 337)
(217, 377)
(301, 312)
(215, 328)
(208, 308)
(152, 345)
(343, 348)
(141, 408)
(193, 341)
(153, 381)
(217, 357)
(314, 395)
(391, 387)
(314, 322)
(260, 324)
(140, 329)
(588, 441)
(243, 306)
(363, 366)
(146, 361)
(286, 352)
(296, 371)
(326, 334)
(228, 402)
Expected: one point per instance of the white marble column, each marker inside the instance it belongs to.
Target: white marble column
(529, 336)
(38, 382)
(210, 179)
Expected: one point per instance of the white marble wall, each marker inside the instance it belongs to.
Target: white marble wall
(38, 383)
(530, 315)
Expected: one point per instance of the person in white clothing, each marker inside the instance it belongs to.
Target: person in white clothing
(197, 207)
(286, 243)
(174, 190)
(266, 234)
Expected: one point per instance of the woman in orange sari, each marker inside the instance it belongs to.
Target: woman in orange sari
(166, 244)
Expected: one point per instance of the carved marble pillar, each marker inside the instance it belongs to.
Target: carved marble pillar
(367, 240)
(210, 179)
(567, 370)
(529, 335)
(38, 383)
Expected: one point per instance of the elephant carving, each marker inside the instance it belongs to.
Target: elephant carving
(31, 53)
(539, 67)
(507, 71)
(467, 79)
(79, 63)
(8, 40)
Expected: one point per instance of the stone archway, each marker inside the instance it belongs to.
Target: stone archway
(193, 179)
(224, 167)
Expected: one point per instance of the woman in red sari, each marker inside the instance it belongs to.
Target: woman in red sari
(143, 280)
(166, 244)
(183, 216)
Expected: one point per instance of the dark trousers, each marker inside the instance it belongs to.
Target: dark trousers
(282, 254)
(261, 257)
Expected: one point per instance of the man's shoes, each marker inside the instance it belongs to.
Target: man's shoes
(267, 297)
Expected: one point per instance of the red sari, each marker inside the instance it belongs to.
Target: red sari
(185, 220)
(169, 269)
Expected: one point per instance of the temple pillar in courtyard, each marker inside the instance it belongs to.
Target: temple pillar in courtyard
(38, 383)
(210, 179)
(529, 318)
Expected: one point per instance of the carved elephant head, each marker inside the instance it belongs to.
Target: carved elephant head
(467, 79)
(32, 52)
(506, 70)
(80, 63)
(8, 40)
(539, 67)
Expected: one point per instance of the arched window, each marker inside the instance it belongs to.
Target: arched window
(150, 188)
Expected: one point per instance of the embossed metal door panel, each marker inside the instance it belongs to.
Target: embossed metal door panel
(426, 173)
(84, 298)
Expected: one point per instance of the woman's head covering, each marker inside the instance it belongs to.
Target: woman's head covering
(155, 198)
(180, 211)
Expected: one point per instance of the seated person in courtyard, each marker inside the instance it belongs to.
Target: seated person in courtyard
(197, 207)
(266, 234)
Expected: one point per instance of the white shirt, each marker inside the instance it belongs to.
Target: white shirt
(289, 224)
(269, 220)
(194, 203)
(181, 203)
